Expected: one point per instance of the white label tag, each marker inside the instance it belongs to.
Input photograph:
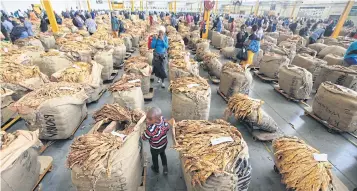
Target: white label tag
(133, 81)
(193, 85)
(118, 134)
(6, 50)
(320, 157)
(221, 140)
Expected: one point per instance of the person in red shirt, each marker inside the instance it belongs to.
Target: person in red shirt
(151, 19)
(156, 134)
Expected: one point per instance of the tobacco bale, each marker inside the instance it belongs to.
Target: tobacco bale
(311, 64)
(191, 98)
(271, 64)
(317, 46)
(339, 75)
(295, 81)
(333, 59)
(330, 103)
(337, 50)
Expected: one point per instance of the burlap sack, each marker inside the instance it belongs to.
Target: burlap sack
(232, 82)
(284, 36)
(201, 49)
(30, 41)
(127, 43)
(273, 34)
(227, 41)
(217, 39)
(132, 98)
(210, 34)
(19, 162)
(119, 53)
(270, 39)
(135, 41)
(48, 42)
(288, 51)
(266, 46)
(215, 67)
(317, 46)
(229, 52)
(327, 40)
(342, 44)
(337, 50)
(106, 60)
(6, 100)
(271, 64)
(145, 74)
(339, 75)
(307, 50)
(257, 58)
(126, 166)
(333, 59)
(239, 180)
(266, 123)
(149, 55)
(311, 64)
(295, 81)
(51, 64)
(53, 115)
(185, 108)
(337, 106)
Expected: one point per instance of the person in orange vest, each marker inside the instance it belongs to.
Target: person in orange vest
(33, 16)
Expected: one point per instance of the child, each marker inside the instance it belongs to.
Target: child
(156, 133)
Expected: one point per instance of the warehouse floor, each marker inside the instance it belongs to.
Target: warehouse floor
(341, 148)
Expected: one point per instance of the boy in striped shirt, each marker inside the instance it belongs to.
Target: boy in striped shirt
(156, 133)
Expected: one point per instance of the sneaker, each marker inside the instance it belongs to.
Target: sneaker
(165, 170)
(154, 170)
(163, 85)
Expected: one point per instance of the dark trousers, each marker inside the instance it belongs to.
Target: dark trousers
(155, 157)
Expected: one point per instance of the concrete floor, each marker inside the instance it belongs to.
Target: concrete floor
(341, 148)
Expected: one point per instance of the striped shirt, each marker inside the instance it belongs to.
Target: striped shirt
(157, 134)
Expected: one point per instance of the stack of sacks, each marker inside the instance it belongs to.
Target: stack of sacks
(224, 167)
(127, 92)
(191, 98)
(337, 50)
(249, 110)
(87, 74)
(340, 75)
(29, 41)
(138, 65)
(271, 63)
(52, 107)
(311, 64)
(180, 68)
(295, 81)
(20, 78)
(331, 103)
(333, 59)
(112, 158)
(52, 61)
(235, 79)
(19, 162)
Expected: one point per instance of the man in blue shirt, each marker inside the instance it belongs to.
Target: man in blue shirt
(350, 57)
(317, 34)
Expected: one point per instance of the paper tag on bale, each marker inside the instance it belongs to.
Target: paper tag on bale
(133, 81)
(320, 157)
(221, 140)
(192, 85)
